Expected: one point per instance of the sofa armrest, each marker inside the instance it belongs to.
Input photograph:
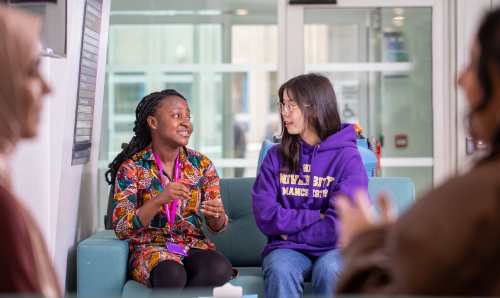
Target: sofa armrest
(101, 266)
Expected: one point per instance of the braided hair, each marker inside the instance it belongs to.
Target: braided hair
(142, 134)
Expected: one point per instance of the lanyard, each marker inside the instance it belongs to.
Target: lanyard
(171, 208)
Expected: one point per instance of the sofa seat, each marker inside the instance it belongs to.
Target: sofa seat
(133, 289)
(102, 259)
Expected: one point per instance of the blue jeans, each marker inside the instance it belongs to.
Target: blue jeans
(285, 271)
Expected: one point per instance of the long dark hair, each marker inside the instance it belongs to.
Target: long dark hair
(488, 38)
(142, 134)
(316, 98)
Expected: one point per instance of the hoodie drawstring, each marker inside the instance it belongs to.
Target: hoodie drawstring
(311, 160)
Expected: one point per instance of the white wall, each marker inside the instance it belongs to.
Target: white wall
(30, 165)
(63, 197)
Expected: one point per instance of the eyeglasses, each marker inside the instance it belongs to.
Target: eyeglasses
(289, 107)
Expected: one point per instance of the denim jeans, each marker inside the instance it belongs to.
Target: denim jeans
(285, 271)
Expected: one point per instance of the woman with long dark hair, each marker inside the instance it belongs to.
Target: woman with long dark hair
(295, 190)
(160, 189)
(448, 242)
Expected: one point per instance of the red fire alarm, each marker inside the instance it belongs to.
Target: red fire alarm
(401, 141)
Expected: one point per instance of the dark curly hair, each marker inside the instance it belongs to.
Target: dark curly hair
(142, 135)
(488, 38)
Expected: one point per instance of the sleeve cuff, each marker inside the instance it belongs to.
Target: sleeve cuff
(312, 217)
(136, 222)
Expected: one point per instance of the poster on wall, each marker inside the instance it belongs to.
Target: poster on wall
(87, 79)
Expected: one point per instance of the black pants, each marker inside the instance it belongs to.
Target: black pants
(202, 268)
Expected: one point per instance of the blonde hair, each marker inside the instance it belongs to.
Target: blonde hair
(18, 37)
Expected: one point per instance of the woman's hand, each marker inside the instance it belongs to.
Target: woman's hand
(172, 191)
(357, 216)
(151, 207)
(214, 213)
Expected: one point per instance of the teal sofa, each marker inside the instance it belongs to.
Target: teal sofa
(102, 259)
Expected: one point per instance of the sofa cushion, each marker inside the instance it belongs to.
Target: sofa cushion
(101, 265)
(133, 289)
(266, 145)
(242, 242)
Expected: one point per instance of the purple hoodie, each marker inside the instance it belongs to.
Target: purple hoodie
(290, 204)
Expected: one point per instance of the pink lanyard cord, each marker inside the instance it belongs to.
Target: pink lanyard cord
(171, 208)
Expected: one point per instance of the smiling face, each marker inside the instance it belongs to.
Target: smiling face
(171, 123)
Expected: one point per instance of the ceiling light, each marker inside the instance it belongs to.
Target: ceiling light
(241, 12)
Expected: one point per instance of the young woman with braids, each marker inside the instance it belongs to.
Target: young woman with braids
(448, 243)
(161, 189)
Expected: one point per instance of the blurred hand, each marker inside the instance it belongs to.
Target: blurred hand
(357, 216)
(387, 212)
(172, 191)
(284, 237)
(213, 210)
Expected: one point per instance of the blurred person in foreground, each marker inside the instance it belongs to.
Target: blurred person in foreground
(24, 259)
(448, 243)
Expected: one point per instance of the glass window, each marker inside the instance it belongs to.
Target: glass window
(223, 60)
(127, 95)
(380, 63)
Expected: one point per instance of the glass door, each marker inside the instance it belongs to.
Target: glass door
(221, 55)
(380, 60)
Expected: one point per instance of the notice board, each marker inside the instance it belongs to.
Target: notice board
(87, 80)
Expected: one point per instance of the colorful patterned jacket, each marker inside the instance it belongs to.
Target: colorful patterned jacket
(137, 181)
